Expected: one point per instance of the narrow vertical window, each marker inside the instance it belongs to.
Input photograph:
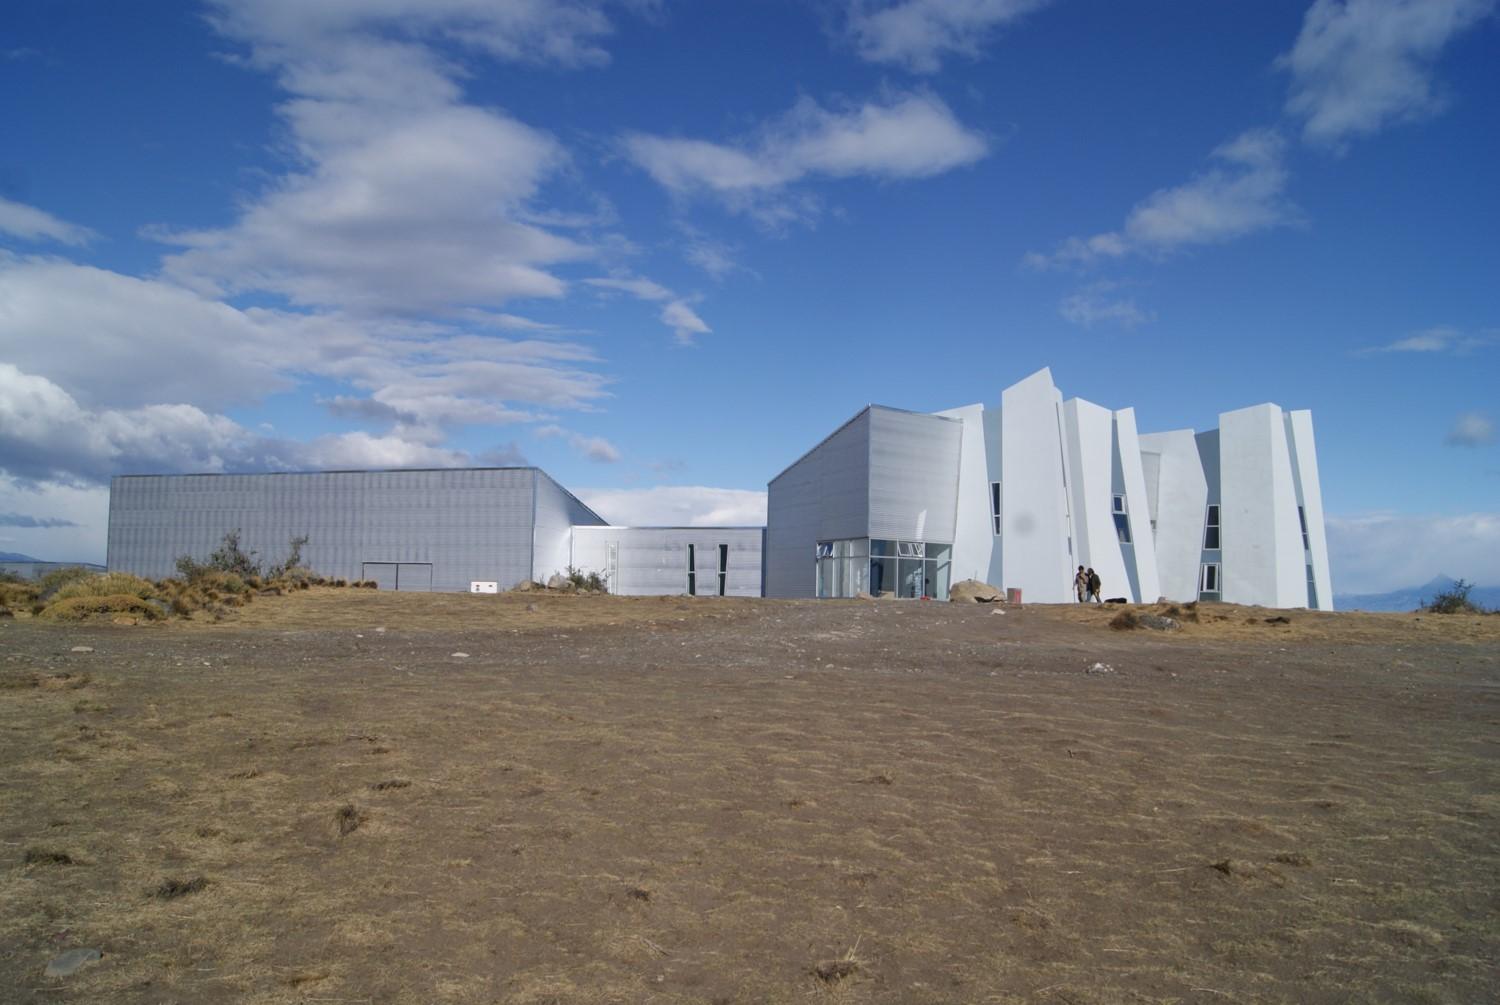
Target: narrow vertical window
(1302, 519)
(692, 574)
(1208, 580)
(995, 511)
(1211, 530)
(1122, 520)
(723, 566)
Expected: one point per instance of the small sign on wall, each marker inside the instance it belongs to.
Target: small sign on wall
(479, 587)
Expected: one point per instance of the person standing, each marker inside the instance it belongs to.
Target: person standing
(1081, 585)
(1095, 586)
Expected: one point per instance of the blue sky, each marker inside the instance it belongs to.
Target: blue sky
(659, 249)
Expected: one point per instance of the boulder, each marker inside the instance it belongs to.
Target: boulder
(557, 581)
(526, 586)
(1157, 622)
(972, 591)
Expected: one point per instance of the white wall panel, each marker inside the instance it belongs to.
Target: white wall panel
(914, 470)
(1140, 555)
(1310, 494)
(1181, 497)
(1090, 439)
(974, 529)
(1262, 543)
(823, 496)
(1035, 531)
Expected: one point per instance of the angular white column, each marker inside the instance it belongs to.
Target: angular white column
(1035, 531)
(1142, 551)
(1262, 537)
(1181, 494)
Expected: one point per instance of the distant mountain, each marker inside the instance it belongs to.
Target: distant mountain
(1412, 597)
(15, 556)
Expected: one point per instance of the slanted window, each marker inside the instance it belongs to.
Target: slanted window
(1211, 530)
(1312, 590)
(1122, 520)
(911, 549)
(1302, 518)
(1208, 578)
(995, 506)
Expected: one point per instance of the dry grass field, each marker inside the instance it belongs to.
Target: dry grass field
(664, 800)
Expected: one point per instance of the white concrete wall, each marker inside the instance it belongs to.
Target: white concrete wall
(1035, 530)
(973, 530)
(1310, 495)
(914, 471)
(1262, 545)
(1181, 497)
(1140, 555)
(1089, 430)
(823, 496)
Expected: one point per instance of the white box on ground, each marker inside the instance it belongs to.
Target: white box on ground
(479, 587)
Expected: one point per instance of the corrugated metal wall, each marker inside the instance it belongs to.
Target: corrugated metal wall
(823, 496)
(558, 511)
(467, 524)
(914, 461)
(650, 561)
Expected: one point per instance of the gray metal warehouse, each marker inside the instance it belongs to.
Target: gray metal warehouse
(444, 529)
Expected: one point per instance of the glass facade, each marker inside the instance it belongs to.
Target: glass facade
(909, 569)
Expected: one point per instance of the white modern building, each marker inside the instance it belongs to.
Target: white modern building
(1021, 495)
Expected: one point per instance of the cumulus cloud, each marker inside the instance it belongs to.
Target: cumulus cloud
(678, 506)
(32, 224)
(1435, 340)
(595, 448)
(1376, 552)
(1100, 303)
(1242, 193)
(918, 34)
(1471, 429)
(910, 136)
(1359, 65)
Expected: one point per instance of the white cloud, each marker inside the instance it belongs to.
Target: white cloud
(1098, 303)
(535, 31)
(402, 198)
(46, 436)
(678, 506)
(685, 323)
(32, 224)
(917, 34)
(1377, 552)
(1471, 429)
(910, 136)
(1359, 65)
(1435, 340)
(1244, 192)
(595, 448)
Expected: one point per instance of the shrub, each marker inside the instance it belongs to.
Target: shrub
(19, 594)
(81, 608)
(586, 580)
(58, 578)
(109, 584)
(1453, 600)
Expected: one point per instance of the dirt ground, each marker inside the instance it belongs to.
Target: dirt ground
(673, 800)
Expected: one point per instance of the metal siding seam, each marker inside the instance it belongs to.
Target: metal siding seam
(531, 570)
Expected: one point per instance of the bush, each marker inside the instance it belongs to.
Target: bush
(1454, 600)
(58, 578)
(109, 584)
(82, 608)
(586, 580)
(19, 595)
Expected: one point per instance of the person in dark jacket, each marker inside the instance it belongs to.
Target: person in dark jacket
(1094, 587)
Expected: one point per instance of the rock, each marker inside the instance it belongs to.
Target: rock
(862, 595)
(1100, 668)
(972, 591)
(532, 608)
(1158, 622)
(380, 630)
(459, 656)
(997, 611)
(68, 963)
(81, 649)
(557, 581)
